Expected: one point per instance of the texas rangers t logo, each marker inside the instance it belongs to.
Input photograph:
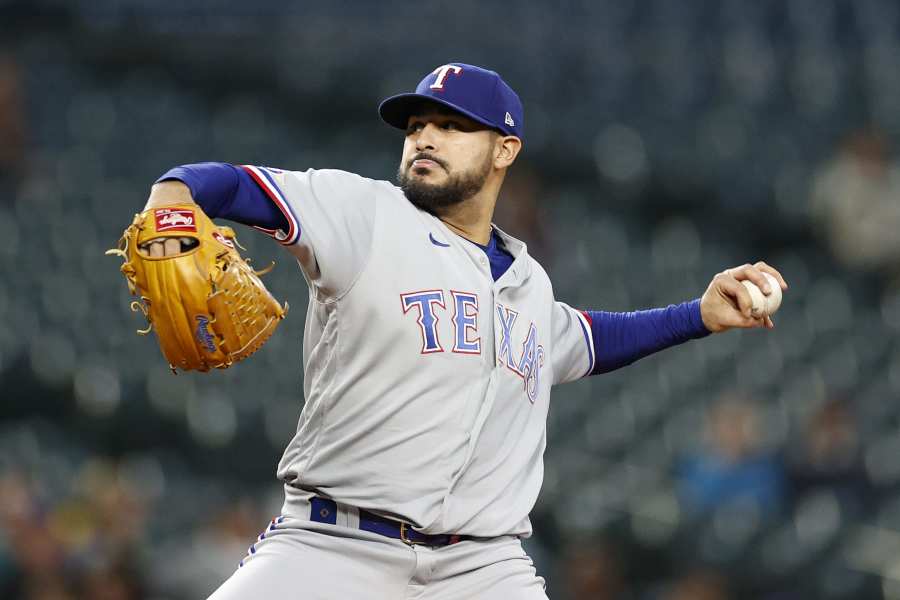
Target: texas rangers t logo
(442, 73)
(425, 302)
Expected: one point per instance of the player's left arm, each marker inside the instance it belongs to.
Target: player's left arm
(593, 342)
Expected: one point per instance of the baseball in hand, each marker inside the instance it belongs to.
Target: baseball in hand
(764, 304)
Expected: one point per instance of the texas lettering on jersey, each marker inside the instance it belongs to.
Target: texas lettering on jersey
(425, 305)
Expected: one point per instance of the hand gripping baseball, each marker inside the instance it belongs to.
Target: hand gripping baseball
(727, 303)
(208, 306)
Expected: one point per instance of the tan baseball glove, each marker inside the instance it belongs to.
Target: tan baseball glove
(208, 306)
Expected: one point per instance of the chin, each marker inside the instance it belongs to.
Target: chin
(426, 174)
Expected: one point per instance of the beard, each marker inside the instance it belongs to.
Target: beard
(436, 199)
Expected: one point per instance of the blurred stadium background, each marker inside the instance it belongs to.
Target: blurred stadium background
(665, 141)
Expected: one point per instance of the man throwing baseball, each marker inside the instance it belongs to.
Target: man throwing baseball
(432, 343)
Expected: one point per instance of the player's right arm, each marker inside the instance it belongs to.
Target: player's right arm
(335, 209)
(221, 190)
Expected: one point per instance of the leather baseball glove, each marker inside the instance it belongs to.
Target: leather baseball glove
(208, 306)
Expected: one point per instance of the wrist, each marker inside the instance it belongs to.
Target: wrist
(169, 193)
(698, 322)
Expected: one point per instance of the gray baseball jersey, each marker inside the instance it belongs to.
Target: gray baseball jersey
(427, 383)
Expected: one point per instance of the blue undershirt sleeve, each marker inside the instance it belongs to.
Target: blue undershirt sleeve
(622, 338)
(228, 192)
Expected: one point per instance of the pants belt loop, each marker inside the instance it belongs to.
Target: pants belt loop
(352, 517)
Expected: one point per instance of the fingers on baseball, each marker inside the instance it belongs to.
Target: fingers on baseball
(752, 273)
(737, 296)
(762, 266)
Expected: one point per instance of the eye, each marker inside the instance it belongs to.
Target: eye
(451, 126)
(414, 127)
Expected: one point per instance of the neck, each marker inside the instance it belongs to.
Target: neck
(472, 219)
(471, 225)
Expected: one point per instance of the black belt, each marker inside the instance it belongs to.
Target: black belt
(325, 511)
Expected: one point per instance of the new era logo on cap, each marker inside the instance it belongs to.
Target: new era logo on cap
(478, 93)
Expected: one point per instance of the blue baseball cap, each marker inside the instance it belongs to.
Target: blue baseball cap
(477, 93)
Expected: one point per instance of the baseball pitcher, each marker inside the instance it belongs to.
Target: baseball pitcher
(431, 346)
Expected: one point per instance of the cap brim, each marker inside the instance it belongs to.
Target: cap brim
(395, 111)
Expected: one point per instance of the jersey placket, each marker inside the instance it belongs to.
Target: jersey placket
(479, 258)
(509, 279)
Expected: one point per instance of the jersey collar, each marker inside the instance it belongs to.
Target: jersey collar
(520, 269)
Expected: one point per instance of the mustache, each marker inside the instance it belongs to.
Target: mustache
(426, 156)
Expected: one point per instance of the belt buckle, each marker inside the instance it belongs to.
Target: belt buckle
(404, 528)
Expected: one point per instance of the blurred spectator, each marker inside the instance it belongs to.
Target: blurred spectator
(12, 120)
(592, 570)
(81, 545)
(829, 455)
(698, 585)
(116, 582)
(92, 522)
(733, 467)
(196, 563)
(35, 551)
(855, 203)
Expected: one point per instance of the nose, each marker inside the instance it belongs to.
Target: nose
(427, 138)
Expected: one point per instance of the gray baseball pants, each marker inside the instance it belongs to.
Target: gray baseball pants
(298, 559)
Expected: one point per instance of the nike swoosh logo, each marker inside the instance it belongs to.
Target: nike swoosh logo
(437, 243)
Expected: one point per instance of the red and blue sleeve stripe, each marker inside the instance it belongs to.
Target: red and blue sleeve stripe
(285, 235)
(245, 194)
(619, 339)
(586, 323)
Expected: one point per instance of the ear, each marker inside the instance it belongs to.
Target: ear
(506, 149)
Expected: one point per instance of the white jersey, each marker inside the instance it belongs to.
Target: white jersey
(427, 383)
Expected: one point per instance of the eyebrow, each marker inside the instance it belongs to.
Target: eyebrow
(430, 109)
